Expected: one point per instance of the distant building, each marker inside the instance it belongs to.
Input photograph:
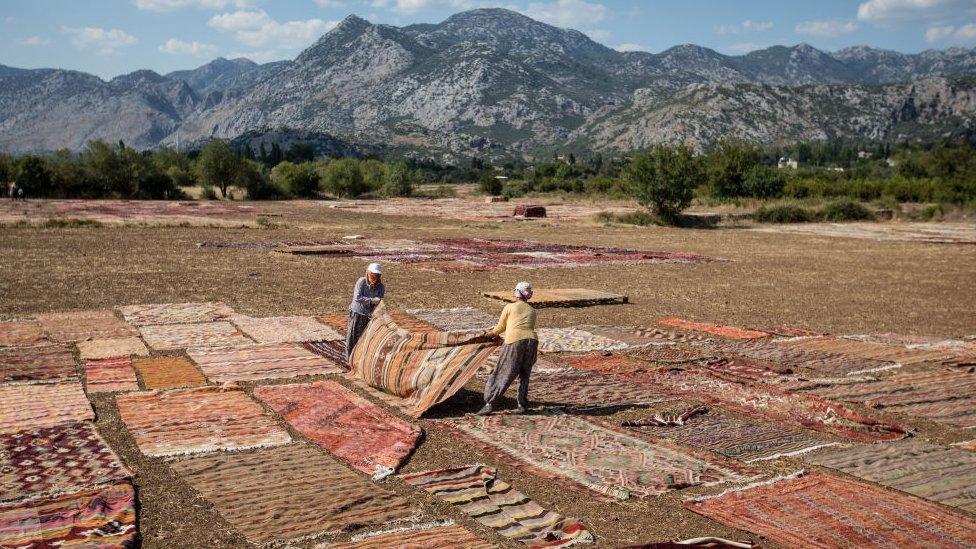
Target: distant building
(785, 163)
(835, 169)
(892, 162)
(864, 155)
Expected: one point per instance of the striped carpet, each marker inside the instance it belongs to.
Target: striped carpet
(34, 363)
(202, 419)
(108, 375)
(260, 361)
(290, 492)
(822, 511)
(42, 405)
(423, 536)
(868, 350)
(168, 372)
(331, 350)
(460, 319)
(730, 332)
(286, 329)
(175, 313)
(81, 325)
(798, 360)
(926, 470)
(21, 332)
(478, 492)
(171, 337)
(588, 390)
(110, 348)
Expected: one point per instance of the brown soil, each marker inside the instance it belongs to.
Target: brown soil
(836, 285)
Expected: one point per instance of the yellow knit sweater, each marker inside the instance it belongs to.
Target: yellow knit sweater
(517, 322)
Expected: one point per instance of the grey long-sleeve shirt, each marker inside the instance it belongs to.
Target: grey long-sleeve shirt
(362, 295)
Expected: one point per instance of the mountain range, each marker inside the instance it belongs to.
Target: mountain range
(493, 81)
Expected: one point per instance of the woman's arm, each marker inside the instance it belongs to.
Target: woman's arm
(357, 294)
(502, 322)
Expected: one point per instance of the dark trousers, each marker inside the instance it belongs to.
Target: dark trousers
(515, 360)
(357, 324)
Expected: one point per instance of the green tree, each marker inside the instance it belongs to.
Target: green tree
(252, 178)
(664, 179)
(343, 177)
(488, 184)
(34, 177)
(764, 182)
(217, 166)
(300, 152)
(374, 173)
(399, 180)
(106, 170)
(298, 180)
(727, 167)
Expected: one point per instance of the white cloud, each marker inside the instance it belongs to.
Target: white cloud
(599, 35)
(881, 11)
(178, 47)
(35, 41)
(746, 26)
(826, 27)
(287, 35)
(330, 3)
(631, 47)
(106, 42)
(239, 20)
(966, 34)
(567, 13)
(259, 56)
(939, 33)
(745, 47)
(173, 5)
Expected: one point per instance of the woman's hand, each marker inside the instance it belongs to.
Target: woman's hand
(374, 300)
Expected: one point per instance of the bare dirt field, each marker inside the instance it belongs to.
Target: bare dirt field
(836, 285)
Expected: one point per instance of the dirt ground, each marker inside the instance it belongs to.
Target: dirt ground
(836, 285)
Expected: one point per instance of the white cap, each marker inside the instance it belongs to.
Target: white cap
(523, 287)
(375, 268)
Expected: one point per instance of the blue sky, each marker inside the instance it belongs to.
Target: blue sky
(112, 37)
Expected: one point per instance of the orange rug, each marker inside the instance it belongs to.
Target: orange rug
(109, 348)
(168, 372)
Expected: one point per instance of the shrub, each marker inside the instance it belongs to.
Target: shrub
(727, 168)
(489, 184)
(343, 177)
(784, 214)
(764, 182)
(298, 180)
(399, 180)
(846, 210)
(259, 186)
(664, 179)
(642, 219)
(374, 174)
(217, 166)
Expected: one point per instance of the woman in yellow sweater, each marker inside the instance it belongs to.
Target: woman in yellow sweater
(519, 352)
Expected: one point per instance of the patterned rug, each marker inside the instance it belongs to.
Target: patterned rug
(81, 325)
(168, 372)
(25, 407)
(757, 400)
(350, 427)
(286, 329)
(932, 472)
(740, 439)
(110, 348)
(55, 460)
(478, 492)
(171, 337)
(424, 536)
(819, 362)
(21, 332)
(203, 419)
(868, 350)
(417, 370)
(461, 319)
(332, 350)
(562, 297)
(942, 396)
(730, 332)
(818, 510)
(33, 363)
(410, 323)
(289, 493)
(175, 313)
(108, 375)
(611, 464)
(103, 518)
(260, 361)
(579, 389)
(637, 336)
(337, 321)
(574, 340)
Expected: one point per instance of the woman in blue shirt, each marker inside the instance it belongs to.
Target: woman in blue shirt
(366, 296)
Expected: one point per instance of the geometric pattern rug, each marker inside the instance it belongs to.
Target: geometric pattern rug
(332, 350)
(573, 340)
(742, 439)
(260, 361)
(478, 492)
(639, 336)
(461, 319)
(925, 470)
(589, 390)
(290, 492)
(54, 460)
(170, 337)
(20, 332)
(81, 325)
(797, 359)
(168, 372)
(424, 536)
(347, 425)
(202, 419)
(25, 407)
(109, 348)
(730, 332)
(175, 313)
(286, 329)
(818, 510)
(107, 375)
(103, 517)
(33, 363)
(609, 463)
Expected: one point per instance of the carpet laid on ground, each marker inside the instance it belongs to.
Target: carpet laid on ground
(110, 348)
(203, 419)
(477, 491)
(36, 363)
(868, 350)
(417, 370)
(423, 536)
(588, 390)
(756, 400)
(942, 396)
(730, 332)
(350, 427)
(337, 321)
(175, 313)
(562, 297)
(103, 517)
(81, 325)
(25, 407)
(290, 492)
(108, 375)
(611, 464)
(740, 439)
(260, 361)
(55, 460)
(798, 360)
(411, 323)
(171, 337)
(168, 372)
(947, 476)
(332, 350)
(574, 340)
(818, 510)
(21, 332)
(286, 329)
(639, 336)
(460, 319)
